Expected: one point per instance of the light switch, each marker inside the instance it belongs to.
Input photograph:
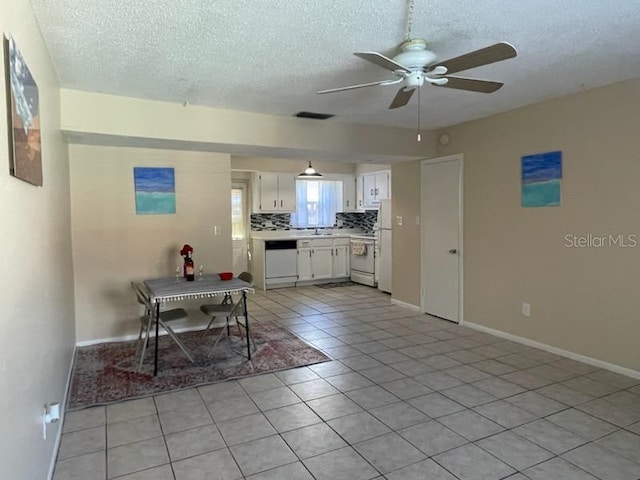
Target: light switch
(399, 220)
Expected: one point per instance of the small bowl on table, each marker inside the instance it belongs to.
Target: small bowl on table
(225, 275)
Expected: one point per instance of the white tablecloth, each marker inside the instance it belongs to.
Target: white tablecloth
(169, 289)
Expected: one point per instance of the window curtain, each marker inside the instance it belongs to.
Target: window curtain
(316, 203)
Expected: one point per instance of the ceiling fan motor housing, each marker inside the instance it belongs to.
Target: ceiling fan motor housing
(415, 55)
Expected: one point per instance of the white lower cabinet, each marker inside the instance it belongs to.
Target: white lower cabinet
(322, 259)
(321, 262)
(305, 271)
(340, 263)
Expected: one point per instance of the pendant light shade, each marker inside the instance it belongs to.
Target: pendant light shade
(309, 172)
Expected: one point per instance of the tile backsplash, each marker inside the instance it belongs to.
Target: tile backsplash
(280, 221)
(270, 221)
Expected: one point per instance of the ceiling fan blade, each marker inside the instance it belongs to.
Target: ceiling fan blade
(402, 97)
(471, 84)
(484, 56)
(381, 61)
(353, 87)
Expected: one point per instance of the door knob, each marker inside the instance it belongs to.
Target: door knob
(453, 251)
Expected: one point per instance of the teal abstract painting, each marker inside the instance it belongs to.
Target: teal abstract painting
(541, 179)
(155, 190)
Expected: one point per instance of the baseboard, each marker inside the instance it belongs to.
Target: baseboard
(126, 338)
(63, 409)
(410, 306)
(558, 351)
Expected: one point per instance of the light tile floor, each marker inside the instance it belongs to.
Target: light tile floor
(406, 397)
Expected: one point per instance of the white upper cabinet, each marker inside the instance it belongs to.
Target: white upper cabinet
(274, 192)
(348, 193)
(375, 188)
(359, 192)
(286, 192)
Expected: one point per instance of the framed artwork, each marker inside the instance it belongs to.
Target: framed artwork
(155, 190)
(542, 179)
(23, 108)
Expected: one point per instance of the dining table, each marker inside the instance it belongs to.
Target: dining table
(172, 289)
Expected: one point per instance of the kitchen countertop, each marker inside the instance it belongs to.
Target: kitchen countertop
(304, 234)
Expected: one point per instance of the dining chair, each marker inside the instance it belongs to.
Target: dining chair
(147, 321)
(228, 309)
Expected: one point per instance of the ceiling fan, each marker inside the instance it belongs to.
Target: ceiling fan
(415, 65)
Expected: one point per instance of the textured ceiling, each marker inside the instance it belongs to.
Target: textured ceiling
(271, 56)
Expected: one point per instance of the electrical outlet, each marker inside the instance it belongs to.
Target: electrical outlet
(399, 220)
(526, 309)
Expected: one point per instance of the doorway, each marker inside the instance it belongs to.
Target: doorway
(239, 227)
(441, 237)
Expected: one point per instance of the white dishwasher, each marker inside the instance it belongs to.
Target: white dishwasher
(281, 263)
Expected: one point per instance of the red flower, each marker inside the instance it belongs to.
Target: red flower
(186, 250)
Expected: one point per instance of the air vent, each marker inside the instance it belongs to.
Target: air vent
(315, 116)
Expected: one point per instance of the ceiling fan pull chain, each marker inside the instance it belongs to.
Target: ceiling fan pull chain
(419, 103)
(409, 18)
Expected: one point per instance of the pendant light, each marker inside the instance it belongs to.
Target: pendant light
(309, 172)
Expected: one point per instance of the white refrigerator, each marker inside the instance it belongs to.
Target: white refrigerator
(384, 246)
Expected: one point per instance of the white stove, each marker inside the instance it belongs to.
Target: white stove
(363, 258)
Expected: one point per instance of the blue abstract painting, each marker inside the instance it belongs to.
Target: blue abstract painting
(155, 190)
(541, 179)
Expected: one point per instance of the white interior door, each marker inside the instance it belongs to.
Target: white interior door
(441, 238)
(239, 227)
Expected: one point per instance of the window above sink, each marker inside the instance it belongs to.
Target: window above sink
(317, 202)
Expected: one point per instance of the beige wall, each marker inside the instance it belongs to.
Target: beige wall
(136, 122)
(112, 245)
(36, 283)
(584, 300)
(263, 164)
(405, 185)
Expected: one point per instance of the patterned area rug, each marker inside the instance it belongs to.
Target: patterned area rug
(106, 373)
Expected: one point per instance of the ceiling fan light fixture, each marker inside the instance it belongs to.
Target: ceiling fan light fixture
(309, 172)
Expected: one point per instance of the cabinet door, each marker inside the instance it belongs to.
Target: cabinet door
(321, 262)
(359, 192)
(340, 261)
(349, 194)
(382, 185)
(286, 192)
(304, 264)
(268, 192)
(369, 183)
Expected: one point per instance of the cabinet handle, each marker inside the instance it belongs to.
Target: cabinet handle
(377, 192)
(347, 203)
(372, 194)
(309, 253)
(280, 203)
(275, 204)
